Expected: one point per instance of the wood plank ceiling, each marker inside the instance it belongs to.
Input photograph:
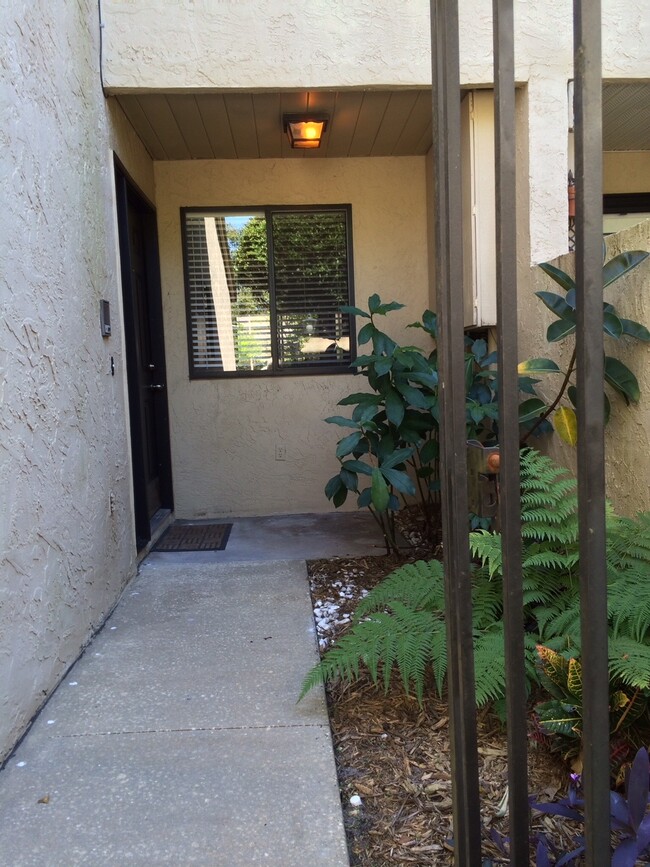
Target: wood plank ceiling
(249, 125)
(362, 123)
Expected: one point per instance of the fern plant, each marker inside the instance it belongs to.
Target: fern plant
(400, 623)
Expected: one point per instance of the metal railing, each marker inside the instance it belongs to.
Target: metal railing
(453, 468)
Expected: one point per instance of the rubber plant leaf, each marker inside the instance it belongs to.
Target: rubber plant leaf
(538, 365)
(560, 277)
(621, 264)
(572, 393)
(530, 409)
(566, 424)
(561, 328)
(636, 330)
(612, 325)
(556, 304)
(622, 379)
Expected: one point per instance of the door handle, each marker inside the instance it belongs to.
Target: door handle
(155, 387)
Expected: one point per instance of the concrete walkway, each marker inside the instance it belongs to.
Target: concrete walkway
(176, 738)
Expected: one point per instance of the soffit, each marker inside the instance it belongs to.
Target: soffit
(626, 116)
(362, 123)
(249, 125)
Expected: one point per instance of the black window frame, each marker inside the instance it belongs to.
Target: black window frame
(334, 369)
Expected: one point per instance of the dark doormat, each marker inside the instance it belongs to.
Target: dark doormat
(194, 537)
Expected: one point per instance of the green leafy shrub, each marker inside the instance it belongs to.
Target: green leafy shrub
(390, 450)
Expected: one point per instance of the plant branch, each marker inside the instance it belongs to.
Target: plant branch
(552, 407)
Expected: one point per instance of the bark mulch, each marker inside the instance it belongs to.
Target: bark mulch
(394, 755)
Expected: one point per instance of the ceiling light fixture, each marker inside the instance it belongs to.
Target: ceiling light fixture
(305, 131)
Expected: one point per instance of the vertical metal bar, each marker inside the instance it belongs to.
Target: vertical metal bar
(591, 449)
(453, 464)
(510, 498)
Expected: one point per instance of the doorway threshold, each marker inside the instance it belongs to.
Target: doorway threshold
(160, 521)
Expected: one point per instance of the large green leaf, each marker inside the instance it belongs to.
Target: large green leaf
(560, 277)
(357, 467)
(561, 328)
(636, 330)
(342, 421)
(349, 479)
(382, 343)
(530, 409)
(355, 311)
(572, 393)
(622, 379)
(621, 264)
(380, 494)
(364, 412)
(556, 304)
(383, 309)
(538, 365)
(374, 302)
(359, 397)
(383, 365)
(366, 333)
(347, 444)
(612, 325)
(413, 395)
(394, 407)
(429, 451)
(399, 480)
(397, 457)
(334, 485)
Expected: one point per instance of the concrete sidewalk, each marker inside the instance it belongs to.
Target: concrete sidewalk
(176, 738)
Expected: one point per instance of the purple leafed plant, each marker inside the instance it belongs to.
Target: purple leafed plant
(629, 818)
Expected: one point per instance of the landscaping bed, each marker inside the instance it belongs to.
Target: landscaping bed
(393, 754)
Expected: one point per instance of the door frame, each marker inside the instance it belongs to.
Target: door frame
(128, 193)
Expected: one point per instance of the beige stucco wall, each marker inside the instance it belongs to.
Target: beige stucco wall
(626, 171)
(627, 438)
(277, 44)
(63, 440)
(224, 432)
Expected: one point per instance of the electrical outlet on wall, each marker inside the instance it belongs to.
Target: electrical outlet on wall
(280, 453)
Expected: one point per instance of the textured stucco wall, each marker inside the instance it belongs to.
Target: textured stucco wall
(63, 441)
(276, 44)
(627, 437)
(224, 432)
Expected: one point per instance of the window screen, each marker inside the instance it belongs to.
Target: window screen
(264, 288)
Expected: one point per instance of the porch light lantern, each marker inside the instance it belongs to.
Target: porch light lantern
(305, 131)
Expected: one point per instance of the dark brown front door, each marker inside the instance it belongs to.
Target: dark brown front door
(145, 357)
